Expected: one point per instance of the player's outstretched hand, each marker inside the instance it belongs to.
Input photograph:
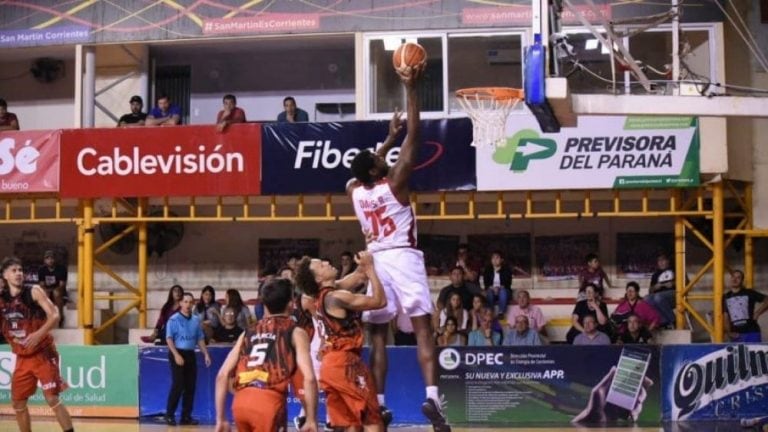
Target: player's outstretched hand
(396, 124)
(364, 259)
(599, 411)
(410, 75)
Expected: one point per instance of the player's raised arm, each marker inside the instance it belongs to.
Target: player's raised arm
(362, 302)
(395, 127)
(400, 173)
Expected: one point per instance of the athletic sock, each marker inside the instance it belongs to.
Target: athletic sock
(432, 394)
(302, 413)
(381, 399)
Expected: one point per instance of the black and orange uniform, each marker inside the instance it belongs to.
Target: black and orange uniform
(303, 320)
(22, 316)
(349, 388)
(265, 368)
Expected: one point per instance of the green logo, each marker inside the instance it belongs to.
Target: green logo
(524, 147)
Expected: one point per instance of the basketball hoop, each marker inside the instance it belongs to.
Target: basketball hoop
(489, 107)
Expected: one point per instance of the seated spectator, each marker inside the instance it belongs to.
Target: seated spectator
(479, 303)
(661, 295)
(468, 263)
(592, 306)
(453, 309)
(522, 334)
(485, 335)
(450, 335)
(52, 278)
(348, 264)
(741, 308)
(636, 333)
(208, 310)
(459, 285)
(165, 113)
(591, 335)
(633, 304)
(243, 315)
(135, 117)
(228, 331)
(524, 308)
(292, 113)
(8, 120)
(497, 283)
(231, 113)
(593, 274)
(171, 306)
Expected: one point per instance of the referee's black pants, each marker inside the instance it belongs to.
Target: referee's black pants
(183, 380)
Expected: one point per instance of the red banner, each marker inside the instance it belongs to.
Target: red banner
(161, 161)
(29, 161)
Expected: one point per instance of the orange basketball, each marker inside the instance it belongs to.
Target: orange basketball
(409, 54)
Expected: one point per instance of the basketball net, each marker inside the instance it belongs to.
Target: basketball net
(489, 107)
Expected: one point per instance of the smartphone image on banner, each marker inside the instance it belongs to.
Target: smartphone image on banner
(629, 376)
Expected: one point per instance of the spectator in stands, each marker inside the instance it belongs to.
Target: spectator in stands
(450, 335)
(633, 304)
(453, 308)
(662, 291)
(286, 273)
(8, 120)
(208, 310)
(52, 278)
(479, 303)
(243, 315)
(592, 306)
(231, 113)
(524, 308)
(170, 307)
(593, 274)
(165, 113)
(522, 334)
(485, 335)
(459, 285)
(135, 117)
(293, 261)
(636, 332)
(591, 335)
(292, 113)
(742, 307)
(497, 283)
(468, 263)
(348, 264)
(228, 331)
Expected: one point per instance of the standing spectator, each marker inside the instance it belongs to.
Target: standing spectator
(165, 113)
(171, 306)
(662, 291)
(53, 278)
(348, 264)
(741, 313)
(8, 120)
(592, 306)
(593, 274)
(497, 283)
(524, 308)
(468, 263)
(228, 331)
(451, 336)
(633, 304)
(184, 333)
(243, 315)
(231, 113)
(208, 310)
(636, 332)
(135, 117)
(591, 335)
(522, 334)
(459, 285)
(292, 113)
(453, 308)
(485, 335)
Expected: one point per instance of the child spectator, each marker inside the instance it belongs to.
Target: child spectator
(453, 309)
(593, 274)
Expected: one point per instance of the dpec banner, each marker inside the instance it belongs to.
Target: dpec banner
(161, 161)
(103, 381)
(29, 161)
(715, 382)
(602, 153)
(557, 384)
(316, 157)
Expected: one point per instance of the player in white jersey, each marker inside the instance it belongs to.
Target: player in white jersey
(381, 198)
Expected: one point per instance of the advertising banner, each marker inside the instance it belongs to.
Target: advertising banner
(316, 157)
(602, 153)
(558, 384)
(161, 161)
(715, 382)
(103, 381)
(29, 161)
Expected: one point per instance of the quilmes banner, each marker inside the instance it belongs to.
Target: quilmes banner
(316, 157)
(103, 381)
(29, 161)
(602, 153)
(715, 382)
(609, 385)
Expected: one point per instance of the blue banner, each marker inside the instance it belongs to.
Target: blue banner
(302, 158)
(715, 382)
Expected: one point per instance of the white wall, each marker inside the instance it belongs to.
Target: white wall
(38, 105)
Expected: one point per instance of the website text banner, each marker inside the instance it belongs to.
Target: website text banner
(29, 161)
(103, 381)
(602, 153)
(316, 157)
(161, 161)
(715, 382)
(555, 384)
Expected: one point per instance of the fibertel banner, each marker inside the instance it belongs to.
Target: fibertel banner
(601, 153)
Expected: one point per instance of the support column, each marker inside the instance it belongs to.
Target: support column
(679, 273)
(89, 87)
(142, 227)
(749, 251)
(87, 275)
(718, 243)
(80, 276)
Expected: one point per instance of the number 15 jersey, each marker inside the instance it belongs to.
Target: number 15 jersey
(391, 223)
